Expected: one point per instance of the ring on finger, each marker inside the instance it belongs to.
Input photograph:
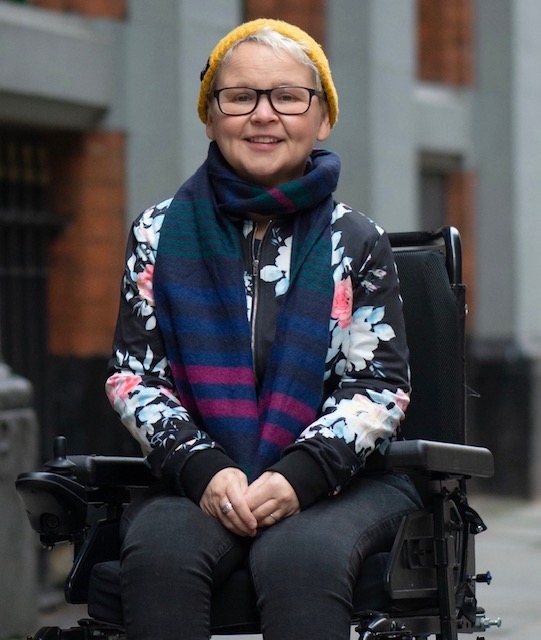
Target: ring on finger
(227, 507)
(271, 515)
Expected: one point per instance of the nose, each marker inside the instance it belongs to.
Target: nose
(264, 109)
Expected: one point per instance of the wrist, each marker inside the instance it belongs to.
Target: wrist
(305, 475)
(199, 470)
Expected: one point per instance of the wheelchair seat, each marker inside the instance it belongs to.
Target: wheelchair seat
(425, 584)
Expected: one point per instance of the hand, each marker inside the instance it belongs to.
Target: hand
(229, 485)
(272, 494)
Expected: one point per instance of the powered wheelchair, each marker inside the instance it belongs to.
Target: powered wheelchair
(424, 586)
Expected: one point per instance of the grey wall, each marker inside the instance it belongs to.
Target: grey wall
(370, 46)
(167, 45)
(508, 142)
(527, 171)
(57, 70)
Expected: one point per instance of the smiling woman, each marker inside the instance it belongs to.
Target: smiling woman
(259, 359)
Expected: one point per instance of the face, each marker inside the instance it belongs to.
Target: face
(265, 147)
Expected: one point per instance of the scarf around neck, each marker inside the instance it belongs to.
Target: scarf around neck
(202, 312)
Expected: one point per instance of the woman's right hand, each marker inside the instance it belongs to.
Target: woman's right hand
(229, 485)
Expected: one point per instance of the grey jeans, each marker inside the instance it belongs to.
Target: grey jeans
(304, 568)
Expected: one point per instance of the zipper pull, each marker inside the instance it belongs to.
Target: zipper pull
(255, 267)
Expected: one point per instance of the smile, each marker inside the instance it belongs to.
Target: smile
(264, 139)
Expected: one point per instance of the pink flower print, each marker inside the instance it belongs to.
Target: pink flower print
(402, 400)
(120, 385)
(342, 305)
(144, 282)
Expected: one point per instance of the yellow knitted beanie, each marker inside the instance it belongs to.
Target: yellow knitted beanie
(314, 52)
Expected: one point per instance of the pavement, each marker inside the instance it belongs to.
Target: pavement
(510, 549)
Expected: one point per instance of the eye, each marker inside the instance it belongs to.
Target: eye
(240, 97)
(289, 95)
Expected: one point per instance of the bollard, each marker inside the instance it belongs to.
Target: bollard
(18, 545)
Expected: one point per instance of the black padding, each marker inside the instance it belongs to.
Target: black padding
(434, 317)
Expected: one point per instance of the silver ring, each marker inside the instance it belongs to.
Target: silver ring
(271, 515)
(227, 508)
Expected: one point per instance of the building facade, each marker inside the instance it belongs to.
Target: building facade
(440, 123)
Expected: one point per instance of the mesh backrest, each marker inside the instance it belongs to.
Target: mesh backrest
(434, 317)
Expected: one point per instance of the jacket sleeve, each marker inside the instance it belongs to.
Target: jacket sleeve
(140, 386)
(368, 372)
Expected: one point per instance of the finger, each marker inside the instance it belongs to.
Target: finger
(272, 494)
(262, 513)
(236, 511)
(217, 490)
(259, 493)
(269, 520)
(233, 522)
(241, 510)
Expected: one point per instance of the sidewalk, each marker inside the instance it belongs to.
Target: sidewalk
(510, 549)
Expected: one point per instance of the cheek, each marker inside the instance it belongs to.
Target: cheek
(221, 127)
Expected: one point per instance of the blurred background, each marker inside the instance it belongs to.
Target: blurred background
(440, 123)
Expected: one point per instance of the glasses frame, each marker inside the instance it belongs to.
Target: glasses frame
(267, 92)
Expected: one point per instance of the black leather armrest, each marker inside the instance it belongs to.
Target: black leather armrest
(111, 471)
(439, 458)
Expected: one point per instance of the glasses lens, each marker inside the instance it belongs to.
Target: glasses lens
(290, 100)
(238, 101)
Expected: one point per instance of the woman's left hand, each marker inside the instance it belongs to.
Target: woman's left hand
(271, 498)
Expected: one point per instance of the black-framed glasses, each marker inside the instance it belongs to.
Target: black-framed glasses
(289, 101)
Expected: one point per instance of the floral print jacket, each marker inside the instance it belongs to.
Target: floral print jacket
(367, 374)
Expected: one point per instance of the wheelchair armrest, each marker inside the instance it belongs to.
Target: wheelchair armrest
(111, 471)
(439, 458)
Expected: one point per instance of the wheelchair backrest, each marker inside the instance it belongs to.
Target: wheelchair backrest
(429, 269)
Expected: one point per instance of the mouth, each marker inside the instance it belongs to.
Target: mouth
(264, 139)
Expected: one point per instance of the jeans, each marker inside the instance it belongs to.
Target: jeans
(304, 567)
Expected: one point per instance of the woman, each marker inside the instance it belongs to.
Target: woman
(260, 358)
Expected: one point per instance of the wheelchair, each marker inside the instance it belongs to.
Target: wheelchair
(425, 585)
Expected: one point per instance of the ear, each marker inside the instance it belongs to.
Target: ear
(209, 127)
(325, 125)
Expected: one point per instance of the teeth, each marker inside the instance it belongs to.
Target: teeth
(263, 139)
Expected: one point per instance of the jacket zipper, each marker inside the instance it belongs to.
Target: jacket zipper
(256, 259)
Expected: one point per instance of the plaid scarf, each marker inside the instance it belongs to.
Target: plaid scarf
(201, 305)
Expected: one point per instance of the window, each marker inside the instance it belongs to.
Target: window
(445, 41)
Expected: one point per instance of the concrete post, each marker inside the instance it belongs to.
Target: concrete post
(18, 543)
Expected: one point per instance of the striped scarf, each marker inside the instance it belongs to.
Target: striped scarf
(201, 306)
